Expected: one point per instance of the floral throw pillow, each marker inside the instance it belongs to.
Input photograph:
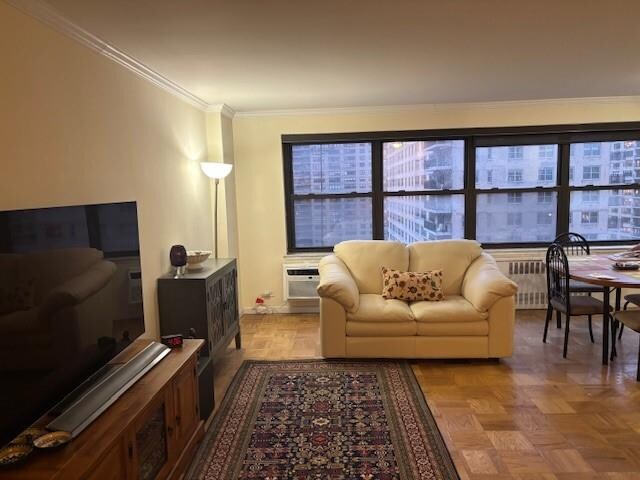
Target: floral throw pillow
(412, 286)
(17, 296)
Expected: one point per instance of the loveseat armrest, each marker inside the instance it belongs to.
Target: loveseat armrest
(337, 283)
(484, 284)
(76, 290)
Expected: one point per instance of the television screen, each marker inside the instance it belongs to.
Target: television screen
(70, 300)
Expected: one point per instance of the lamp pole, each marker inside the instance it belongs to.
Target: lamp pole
(215, 220)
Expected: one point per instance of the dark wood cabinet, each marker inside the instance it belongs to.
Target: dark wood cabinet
(205, 301)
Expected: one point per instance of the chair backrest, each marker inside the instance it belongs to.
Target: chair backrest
(573, 243)
(558, 275)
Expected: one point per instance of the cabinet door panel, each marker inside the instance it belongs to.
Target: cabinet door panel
(113, 466)
(230, 301)
(185, 404)
(215, 311)
(151, 440)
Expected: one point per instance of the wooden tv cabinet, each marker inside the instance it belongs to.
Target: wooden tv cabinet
(150, 432)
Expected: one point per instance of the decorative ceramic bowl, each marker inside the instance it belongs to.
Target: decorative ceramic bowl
(195, 258)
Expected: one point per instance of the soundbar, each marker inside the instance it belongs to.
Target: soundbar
(96, 399)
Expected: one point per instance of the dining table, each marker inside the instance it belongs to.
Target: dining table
(598, 270)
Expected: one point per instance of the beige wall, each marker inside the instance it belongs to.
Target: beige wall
(78, 128)
(259, 176)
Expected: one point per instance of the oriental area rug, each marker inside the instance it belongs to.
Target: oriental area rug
(323, 420)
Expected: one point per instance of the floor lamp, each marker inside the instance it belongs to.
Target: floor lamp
(216, 171)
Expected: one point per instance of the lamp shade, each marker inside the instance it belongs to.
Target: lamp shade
(216, 170)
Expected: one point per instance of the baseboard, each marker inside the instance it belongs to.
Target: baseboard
(284, 309)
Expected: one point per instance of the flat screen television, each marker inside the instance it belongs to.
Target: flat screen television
(70, 300)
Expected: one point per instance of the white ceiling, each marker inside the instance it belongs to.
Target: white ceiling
(286, 54)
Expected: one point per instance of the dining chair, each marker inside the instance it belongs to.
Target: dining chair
(633, 298)
(575, 244)
(561, 298)
(630, 319)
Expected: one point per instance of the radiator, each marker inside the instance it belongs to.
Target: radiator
(531, 279)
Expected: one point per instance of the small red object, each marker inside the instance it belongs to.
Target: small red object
(260, 300)
(172, 341)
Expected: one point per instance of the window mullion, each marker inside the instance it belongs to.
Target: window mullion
(470, 188)
(377, 193)
(562, 217)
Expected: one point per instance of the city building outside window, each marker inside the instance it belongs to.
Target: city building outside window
(514, 219)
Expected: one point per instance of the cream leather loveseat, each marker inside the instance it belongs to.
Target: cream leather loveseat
(475, 319)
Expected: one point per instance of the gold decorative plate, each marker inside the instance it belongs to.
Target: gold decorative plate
(14, 453)
(52, 439)
(28, 436)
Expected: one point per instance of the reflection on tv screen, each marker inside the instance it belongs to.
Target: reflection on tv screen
(70, 300)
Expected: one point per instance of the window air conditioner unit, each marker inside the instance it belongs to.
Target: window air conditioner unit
(300, 282)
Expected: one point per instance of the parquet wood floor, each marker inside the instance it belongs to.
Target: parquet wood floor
(535, 416)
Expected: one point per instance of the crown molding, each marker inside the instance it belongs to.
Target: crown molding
(437, 106)
(223, 109)
(43, 12)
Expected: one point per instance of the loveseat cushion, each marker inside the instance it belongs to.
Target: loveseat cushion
(453, 329)
(374, 308)
(453, 257)
(381, 329)
(365, 259)
(453, 308)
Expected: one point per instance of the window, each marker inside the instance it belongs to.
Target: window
(514, 175)
(545, 174)
(467, 183)
(590, 196)
(547, 151)
(504, 174)
(514, 218)
(515, 153)
(589, 218)
(514, 197)
(605, 211)
(498, 207)
(428, 167)
(545, 218)
(419, 166)
(591, 172)
(319, 174)
(545, 197)
(591, 149)
(426, 217)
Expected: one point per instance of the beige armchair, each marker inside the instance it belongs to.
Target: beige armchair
(475, 319)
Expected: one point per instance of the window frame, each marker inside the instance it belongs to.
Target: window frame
(561, 135)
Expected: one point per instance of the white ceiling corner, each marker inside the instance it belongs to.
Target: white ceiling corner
(47, 14)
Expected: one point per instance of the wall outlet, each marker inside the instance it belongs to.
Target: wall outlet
(267, 294)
